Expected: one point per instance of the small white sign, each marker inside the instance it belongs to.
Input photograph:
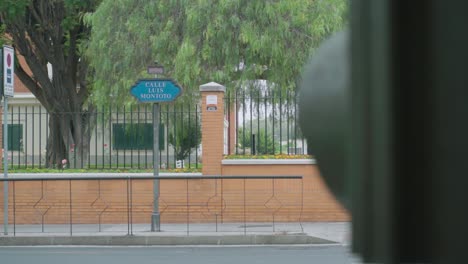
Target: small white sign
(211, 100)
(8, 71)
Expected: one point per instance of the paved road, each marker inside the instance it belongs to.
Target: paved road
(192, 255)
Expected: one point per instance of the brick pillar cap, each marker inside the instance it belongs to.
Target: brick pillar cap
(212, 87)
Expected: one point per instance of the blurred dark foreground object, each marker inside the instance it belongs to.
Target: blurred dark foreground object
(389, 127)
(323, 110)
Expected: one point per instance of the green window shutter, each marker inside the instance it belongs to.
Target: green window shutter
(15, 137)
(136, 136)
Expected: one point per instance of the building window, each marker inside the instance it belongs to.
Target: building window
(15, 137)
(135, 136)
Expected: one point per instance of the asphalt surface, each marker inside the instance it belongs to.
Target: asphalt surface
(180, 254)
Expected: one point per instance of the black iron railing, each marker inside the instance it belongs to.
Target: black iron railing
(123, 204)
(118, 138)
(266, 122)
(259, 122)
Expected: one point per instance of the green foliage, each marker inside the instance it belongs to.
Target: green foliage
(265, 144)
(231, 42)
(3, 39)
(13, 9)
(185, 136)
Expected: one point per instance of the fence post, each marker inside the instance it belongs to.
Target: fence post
(1, 136)
(212, 118)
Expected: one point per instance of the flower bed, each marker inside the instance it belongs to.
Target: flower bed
(280, 156)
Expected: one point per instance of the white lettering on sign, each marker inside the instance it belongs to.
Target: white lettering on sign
(155, 84)
(155, 96)
(155, 90)
(212, 100)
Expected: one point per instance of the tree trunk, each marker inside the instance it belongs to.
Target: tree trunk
(56, 150)
(68, 143)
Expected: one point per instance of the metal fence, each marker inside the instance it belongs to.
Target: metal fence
(266, 121)
(121, 204)
(121, 138)
(258, 122)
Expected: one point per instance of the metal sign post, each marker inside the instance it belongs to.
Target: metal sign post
(156, 91)
(8, 75)
(155, 216)
(5, 165)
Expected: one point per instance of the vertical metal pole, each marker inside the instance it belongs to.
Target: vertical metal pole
(26, 143)
(258, 122)
(110, 135)
(146, 149)
(18, 162)
(40, 137)
(174, 108)
(25, 140)
(126, 138)
(131, 207)
(42, 214)
(5, 165)
(295, 126)
(228, 111)
(139, 126)
(216, 194)
(189, 118)
(252, 148)
(167, 133)
(280, 122)
(117, 156)
(245, 221)
(288, 100)
(71, 207)
(128, 207)
(155, 217)
(273, 119)
(273, 185)
(237, 123)
(133, 137)
(222, 199)
(14, 209)
(302, 204)
(254, 152)
(266, 123)
(196, 136)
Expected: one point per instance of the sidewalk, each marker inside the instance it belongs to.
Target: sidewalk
(181, 234)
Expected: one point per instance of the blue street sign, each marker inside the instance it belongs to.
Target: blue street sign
(155, 90)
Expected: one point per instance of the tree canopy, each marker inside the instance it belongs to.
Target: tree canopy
(232, 42)
(52, 32)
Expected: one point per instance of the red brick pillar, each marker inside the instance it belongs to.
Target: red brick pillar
(212, 125)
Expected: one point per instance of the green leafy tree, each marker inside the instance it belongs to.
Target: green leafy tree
(52, 32)
(185, 135)
(233, 42)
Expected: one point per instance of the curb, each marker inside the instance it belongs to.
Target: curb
(162, 240)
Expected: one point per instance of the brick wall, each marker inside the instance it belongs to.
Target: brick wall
(318, 202)
(195, 201)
